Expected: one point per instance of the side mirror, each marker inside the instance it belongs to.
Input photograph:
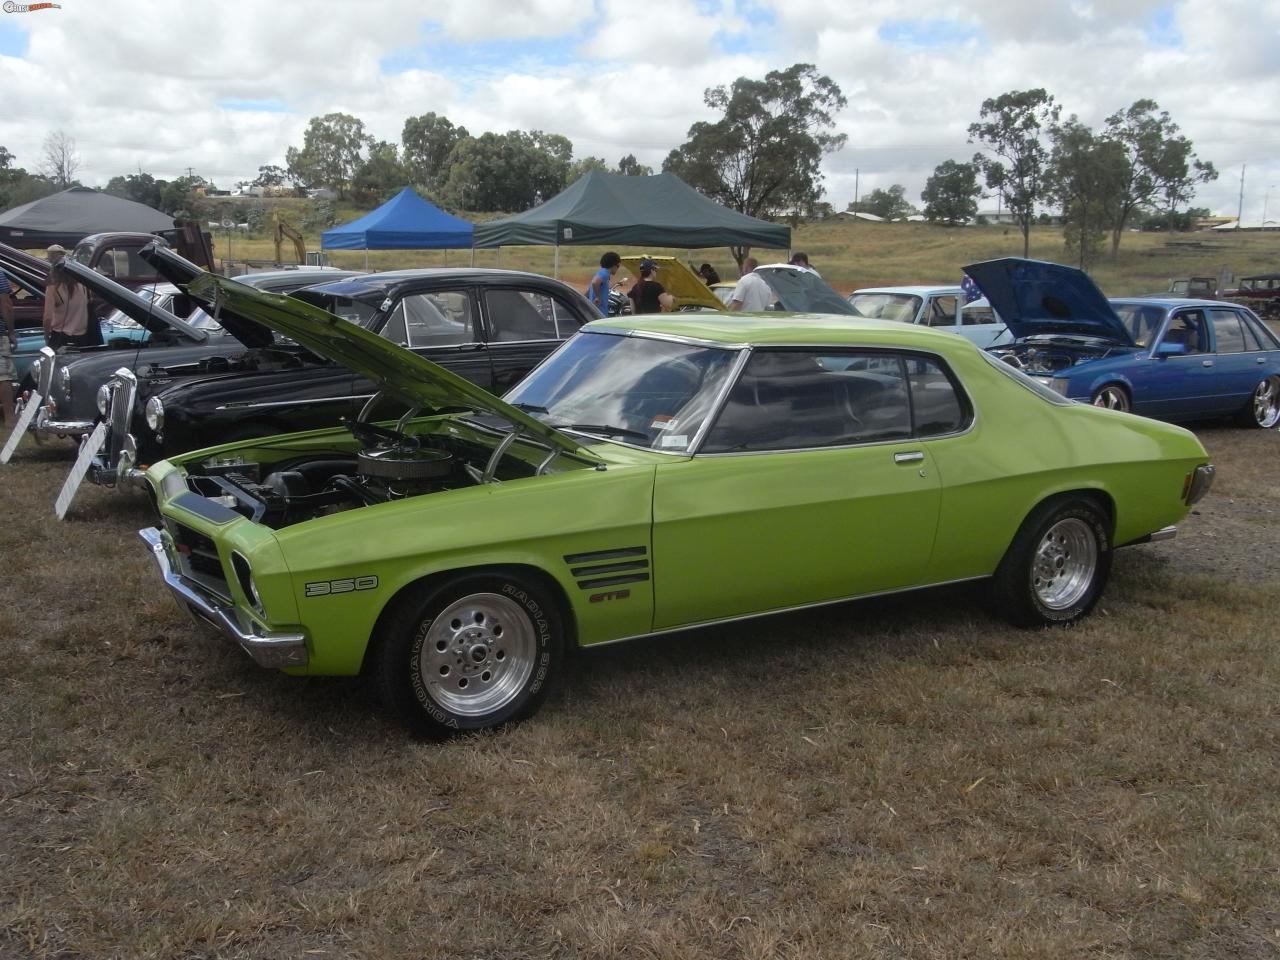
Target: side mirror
(1168, 349)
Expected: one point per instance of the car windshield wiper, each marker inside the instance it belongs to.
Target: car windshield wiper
(531, 407)
(604, 429)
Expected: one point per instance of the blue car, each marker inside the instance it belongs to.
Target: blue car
(1172, 359)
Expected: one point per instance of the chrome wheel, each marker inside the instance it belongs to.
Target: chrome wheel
(1266, 402)
(1065, 563)
(1113, 398)
(478, 654)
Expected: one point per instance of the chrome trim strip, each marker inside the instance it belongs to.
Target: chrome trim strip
(770, 613)
(44, 424)
(274, 650)
(265, 404)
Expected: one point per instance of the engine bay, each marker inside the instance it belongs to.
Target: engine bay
(1048, 355)
(388, 465)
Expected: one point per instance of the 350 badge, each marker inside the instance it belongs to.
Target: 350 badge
(327, 588)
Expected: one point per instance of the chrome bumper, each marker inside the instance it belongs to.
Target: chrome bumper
(267, 649)
(122, 474)
(46, 426)
(1164, 533)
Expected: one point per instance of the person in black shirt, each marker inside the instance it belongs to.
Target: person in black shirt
(646, 293)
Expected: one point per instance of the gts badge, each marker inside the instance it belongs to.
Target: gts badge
(611, 595)
(326, 588)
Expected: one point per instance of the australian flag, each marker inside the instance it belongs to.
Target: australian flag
(971, 291)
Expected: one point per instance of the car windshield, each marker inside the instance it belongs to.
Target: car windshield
(359, 312)
(902, 307)
(1142, 321)
(120, 321)
(803, 291)
(639, 391)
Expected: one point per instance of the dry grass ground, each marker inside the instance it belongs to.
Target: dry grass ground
(895, 779)
(867, 254)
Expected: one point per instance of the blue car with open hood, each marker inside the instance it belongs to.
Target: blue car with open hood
(1172, 359)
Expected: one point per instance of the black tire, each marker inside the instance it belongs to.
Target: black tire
(477, 651)
(1114, 397)
(1057, 566)
(1263, 408)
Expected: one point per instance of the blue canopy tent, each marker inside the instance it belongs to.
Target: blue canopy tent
(405, 222)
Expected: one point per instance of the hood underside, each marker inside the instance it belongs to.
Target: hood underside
(138, 309)
(1033, 298)
(397, 372)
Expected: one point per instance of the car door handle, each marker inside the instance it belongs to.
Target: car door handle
(1262, 360)
(1206, 363)
(914, 456)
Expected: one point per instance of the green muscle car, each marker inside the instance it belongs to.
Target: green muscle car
(654, 474)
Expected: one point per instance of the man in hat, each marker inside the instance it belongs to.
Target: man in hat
(55, 252)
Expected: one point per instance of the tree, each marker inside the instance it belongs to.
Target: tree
(951, 194)
(271, 175)
(763, 156)
(178, 197)
(381, 175)
(580, 168)
(1010, 126)
(629, 166)
(1083, 176)
(511, 171)
(332, 152)
(888, 204)
(17, 186)
(139, 187)
(1159, 164)
(428, 140)
(61, 161)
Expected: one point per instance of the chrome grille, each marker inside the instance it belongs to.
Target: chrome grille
(123, 387)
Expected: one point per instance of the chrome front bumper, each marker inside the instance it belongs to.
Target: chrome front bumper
(45, 425)
(273, 649)
(123, 474)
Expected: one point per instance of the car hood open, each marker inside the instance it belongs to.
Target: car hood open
(802, 291)
(689, 289)
(30, 273)
(397, 372)
(1035, 297)
(138, 309)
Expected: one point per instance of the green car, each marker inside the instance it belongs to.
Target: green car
(654, 474)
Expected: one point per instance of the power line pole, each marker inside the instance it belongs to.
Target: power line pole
(856, 171)
(1240, 209)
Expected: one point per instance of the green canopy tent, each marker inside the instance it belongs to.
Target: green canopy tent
(603, 209)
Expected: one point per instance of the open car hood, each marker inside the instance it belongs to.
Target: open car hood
(396, 371)
(180, 271)
(689, 289)
(28, 272)
(1034, 297)
(138, 309)
(798, 290)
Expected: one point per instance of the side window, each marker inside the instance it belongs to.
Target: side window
(936, 407)
(794, 400)
(942, 312)
(436, 319)
(1187, 327)
(526, 315)
(977, 315)
(1226, 331)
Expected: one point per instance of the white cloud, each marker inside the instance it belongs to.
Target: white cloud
(139, 82)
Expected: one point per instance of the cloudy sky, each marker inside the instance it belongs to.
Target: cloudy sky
(224, 87)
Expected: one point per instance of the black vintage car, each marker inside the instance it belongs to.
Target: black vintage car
(182, 337)
(489, 326)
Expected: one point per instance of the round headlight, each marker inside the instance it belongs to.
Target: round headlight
(104, 399)
(155, 414)
(64, 381)
(35, 370)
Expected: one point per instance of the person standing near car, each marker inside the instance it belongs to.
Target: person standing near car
(647, 293)
(598, 291)
(66, 309)
(8, 344)
(751, 293)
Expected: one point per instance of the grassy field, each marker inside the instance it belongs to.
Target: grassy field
(904, 779)
(868, 254)
(891, 779)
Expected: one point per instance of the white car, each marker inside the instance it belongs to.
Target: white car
(940, 307)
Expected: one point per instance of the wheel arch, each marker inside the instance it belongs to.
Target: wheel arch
(1112, 380)
(1101, 498)
(431, 581)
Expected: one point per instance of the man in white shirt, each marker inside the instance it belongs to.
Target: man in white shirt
(751, 293)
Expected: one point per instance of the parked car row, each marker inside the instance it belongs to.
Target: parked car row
(639, 474)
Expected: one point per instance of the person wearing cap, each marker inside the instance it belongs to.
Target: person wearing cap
(647, 294)
(66, 309)
(8, 343)
(55, 252)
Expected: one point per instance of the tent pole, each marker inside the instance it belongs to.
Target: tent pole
(366, 259)
(556, 275)
(473, 256)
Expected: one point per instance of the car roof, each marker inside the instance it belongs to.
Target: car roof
(1169, 303)
(918, 290)
(321, 275)
(382, 283)
(738, 329)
